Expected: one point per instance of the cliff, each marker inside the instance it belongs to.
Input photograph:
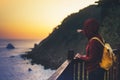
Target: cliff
(52, 51)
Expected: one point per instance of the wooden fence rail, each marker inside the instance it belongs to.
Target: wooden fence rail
(74, 69)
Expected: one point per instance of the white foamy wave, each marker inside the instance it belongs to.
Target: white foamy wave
(40, 73)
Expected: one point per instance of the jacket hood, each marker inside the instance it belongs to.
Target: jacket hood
(91, 27)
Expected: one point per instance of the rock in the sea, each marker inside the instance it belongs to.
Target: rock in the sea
(10, 46)
(29, 69)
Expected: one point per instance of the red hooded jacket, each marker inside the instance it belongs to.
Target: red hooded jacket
(94, 48)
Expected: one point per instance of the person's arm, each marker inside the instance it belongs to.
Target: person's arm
(95, 50)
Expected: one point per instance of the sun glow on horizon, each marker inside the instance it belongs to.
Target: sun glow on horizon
(35, 19)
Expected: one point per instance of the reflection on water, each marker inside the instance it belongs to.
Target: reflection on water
(13, 67)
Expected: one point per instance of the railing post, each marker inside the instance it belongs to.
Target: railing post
(117, 53)
(85, 72)
(70, 54)
(75, 70)
(118, 64)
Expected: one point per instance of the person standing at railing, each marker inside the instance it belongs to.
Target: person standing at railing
(94, 50)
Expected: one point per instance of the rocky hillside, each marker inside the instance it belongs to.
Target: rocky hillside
(52, 51)
(110, 28)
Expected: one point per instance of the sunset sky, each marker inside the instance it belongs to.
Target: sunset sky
(35, 19)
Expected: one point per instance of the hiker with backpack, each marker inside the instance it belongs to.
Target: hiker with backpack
(94, 50)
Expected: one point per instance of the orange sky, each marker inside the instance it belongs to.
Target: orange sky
(35, 19)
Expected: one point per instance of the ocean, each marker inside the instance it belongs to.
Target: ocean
(13, 67)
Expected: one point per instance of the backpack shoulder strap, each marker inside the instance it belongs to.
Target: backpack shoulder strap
(98, 40)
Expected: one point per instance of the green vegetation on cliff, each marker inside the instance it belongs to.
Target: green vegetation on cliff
(110, 28)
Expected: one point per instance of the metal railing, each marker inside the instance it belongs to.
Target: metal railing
(74, 69)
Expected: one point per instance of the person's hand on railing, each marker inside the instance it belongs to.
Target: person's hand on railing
(77, 56)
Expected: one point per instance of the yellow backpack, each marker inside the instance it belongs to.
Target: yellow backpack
(108, 57)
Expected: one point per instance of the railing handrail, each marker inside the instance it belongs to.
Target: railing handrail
(60, 70)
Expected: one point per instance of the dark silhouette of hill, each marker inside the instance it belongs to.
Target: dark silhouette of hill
(52, 51)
